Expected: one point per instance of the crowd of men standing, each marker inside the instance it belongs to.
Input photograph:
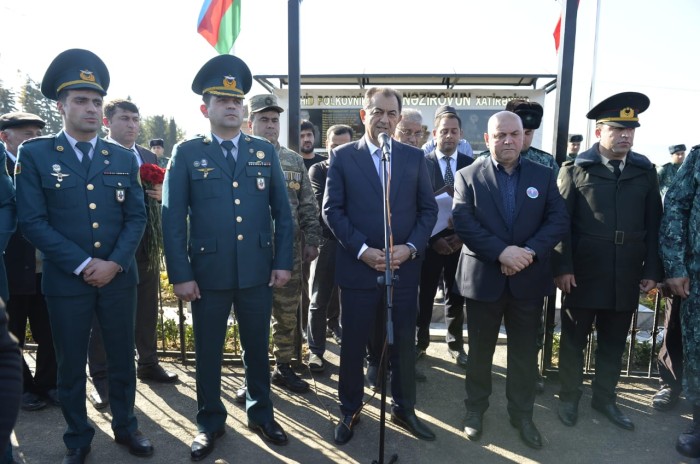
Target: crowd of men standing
(248, 224)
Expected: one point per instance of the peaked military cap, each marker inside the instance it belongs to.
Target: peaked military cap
(223, 75)
(530, 112)
(675, 148)
(156, 143)
(575, 138)
(75, 69)
(19, 119)
(620, 110)
(264, 103)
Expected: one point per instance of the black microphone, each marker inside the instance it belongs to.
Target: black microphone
(384, 145)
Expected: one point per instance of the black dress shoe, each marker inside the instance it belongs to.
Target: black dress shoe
(568, 413)
(372, 377)
(614, 415)
(284, 376)
(99, 396)
(411, 423)
(459, 356)
(137, 442)
(528, 432)
(32, 402)
(271, 432)
(241, 394)
(665, 399)
(473, 425)
(688, 443)
(156, 373)
(203, 444)
(76, 455)
(343, 429)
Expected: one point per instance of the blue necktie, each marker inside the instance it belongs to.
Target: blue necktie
(85, 148)
(229, 146)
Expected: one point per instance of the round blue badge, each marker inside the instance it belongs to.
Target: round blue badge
(532, 192)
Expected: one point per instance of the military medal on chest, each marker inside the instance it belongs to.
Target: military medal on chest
(57, 172)
(261, 183)
(203, 169)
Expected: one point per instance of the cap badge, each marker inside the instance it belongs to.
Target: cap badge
(229, 82)
(627, 113)
(87, 75)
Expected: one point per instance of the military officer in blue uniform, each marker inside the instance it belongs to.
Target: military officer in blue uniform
(80, 202)
(231, 188)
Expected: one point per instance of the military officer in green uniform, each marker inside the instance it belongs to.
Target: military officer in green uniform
(574, 146)
(230, 189)
(80, 202)
(668, 171)
(264, 112)
(680, 249)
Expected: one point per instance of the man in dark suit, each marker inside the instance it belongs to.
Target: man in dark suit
(610, 254)
(442, 254)
(354, 211)
(80, 202)
(24, 279)
(228, 188)
(509, 214)
(123, 121)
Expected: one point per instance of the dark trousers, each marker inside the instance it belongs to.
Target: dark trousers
(253, 309)
(11, 381)
(363, 310)
(522, 320)
(71, 321)
(670, 360)
(434, 266)
(612, 328)
(145, 336)
(33, 307)
(325, 302)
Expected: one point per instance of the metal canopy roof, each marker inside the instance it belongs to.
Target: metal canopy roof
(448, 81)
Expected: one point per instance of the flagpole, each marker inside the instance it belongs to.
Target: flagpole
(594, 72)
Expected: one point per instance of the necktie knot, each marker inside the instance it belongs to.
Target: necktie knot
(228, 146)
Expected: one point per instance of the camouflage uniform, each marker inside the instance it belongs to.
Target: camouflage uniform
(680, 247)
(666, 173)
(163, 161)
(305, 215)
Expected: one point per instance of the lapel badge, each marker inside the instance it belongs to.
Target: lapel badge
(196, 164)
(261, 183)
(59, 147)
(204, 163)
(205, 171)
(105, 152)
(247, 139)
(251, 151)
(532, 192)
(260, 154)
(120, 195)
(206, 140)
(56, 168)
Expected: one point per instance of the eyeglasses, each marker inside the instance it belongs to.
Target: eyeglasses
(410, 133)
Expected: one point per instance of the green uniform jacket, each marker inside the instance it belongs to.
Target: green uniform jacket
(301, 197)
(8, 218)
(679, 237)
(230, 239)
(71, 216)
(666, 173)
(604, 210)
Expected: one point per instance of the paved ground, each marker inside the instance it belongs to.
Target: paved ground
(166, 415)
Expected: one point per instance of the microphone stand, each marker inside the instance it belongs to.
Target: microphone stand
(387, 280)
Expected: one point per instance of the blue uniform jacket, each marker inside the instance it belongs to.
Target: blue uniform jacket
(71, 216)
(232, 218)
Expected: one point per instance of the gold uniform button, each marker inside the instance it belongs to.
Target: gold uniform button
(237, 201)
(90, 187)
(95, 225)
(240, 237)
(235, 184)
(93, 206)
(98, 244)
(239, 219)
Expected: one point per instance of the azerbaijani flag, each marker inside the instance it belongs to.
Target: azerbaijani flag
(219, 23)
